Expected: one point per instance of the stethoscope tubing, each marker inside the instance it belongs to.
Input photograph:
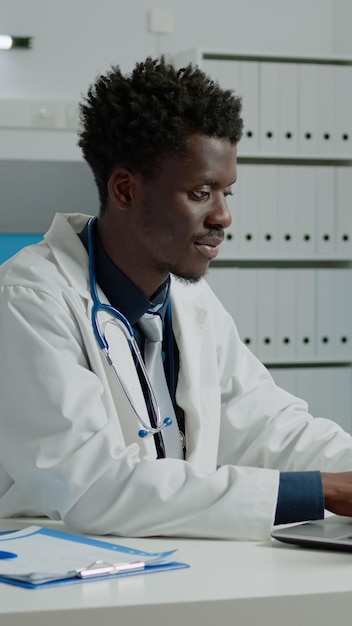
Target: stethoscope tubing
(122, 322)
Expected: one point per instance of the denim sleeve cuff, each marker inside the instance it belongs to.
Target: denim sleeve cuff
(300, 497)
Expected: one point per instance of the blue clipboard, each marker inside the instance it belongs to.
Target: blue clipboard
(47, 557)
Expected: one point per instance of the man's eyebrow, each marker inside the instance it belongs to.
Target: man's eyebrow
(211, 182)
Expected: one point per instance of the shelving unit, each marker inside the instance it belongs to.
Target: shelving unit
(285, 268)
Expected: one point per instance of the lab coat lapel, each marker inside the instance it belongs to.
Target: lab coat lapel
(188, 320)
(72, 259)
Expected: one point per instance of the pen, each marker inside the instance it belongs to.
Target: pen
(99, 568)
(7, 555)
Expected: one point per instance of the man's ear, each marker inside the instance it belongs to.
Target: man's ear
(121, 187)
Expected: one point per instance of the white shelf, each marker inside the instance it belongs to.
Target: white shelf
(332, 362)
(195, 55)
(306, 159)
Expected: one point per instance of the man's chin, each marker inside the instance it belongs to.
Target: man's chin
(188, 279)
(181, 274)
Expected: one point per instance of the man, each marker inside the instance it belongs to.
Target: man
(79, 439)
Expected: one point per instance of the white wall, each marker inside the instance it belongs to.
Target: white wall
(342, 22)
(74, 40)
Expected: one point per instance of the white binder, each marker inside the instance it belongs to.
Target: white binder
(326, 95)
(326, 314)
(248, 89)
(343, 312)
(288, 108)
(315, 386)
(306, 231)
(213, 278)
(342, 397)
(325, 190)
(343, 75)
(229, 75)
(223, 281)
(284, 377)
(247, 214)
(269, 90)
(287, 203)
(306, 313)
(246, 307)
(307, 108)
(266, 314)
(226, 72)
(267, 216)
(286, 314)
(229, 289)
(212, 67)
(344, 212)
(229, 248)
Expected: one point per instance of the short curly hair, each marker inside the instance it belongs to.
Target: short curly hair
(136, 119)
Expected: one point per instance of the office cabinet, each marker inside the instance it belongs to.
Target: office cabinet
(285, 268)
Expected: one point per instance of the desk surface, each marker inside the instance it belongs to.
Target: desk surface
(241, 583)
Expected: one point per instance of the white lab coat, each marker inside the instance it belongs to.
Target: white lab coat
(69, 447)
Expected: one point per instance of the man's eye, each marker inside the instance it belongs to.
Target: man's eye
(200, 194)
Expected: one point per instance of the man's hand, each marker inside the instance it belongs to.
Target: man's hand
(337, 490)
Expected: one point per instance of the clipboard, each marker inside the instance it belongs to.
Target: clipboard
(47, 557)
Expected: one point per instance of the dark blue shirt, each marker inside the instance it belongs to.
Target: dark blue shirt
(300, 494)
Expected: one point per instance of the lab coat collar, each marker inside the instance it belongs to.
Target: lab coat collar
(69, 252)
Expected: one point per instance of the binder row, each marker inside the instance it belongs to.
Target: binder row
(290, 211)
(290, 107)
(289, 315)
(328, 390)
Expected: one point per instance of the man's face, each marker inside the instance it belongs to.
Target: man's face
(182, 211)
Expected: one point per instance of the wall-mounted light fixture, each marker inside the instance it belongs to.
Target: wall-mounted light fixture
(8, 42)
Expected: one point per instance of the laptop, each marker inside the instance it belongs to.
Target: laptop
(332, 533)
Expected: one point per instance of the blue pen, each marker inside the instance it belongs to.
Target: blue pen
(7, 555)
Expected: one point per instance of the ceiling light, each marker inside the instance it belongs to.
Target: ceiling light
(8, 42)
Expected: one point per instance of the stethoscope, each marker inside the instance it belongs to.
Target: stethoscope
(122, 322)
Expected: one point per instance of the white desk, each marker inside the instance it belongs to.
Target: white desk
(228, 583)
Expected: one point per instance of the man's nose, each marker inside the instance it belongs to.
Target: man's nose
(220, 216)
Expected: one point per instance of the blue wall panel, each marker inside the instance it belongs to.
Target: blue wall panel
(12, 243)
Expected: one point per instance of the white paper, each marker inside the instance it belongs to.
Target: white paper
(44, 557)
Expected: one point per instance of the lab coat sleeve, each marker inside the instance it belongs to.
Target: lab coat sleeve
(62, 448)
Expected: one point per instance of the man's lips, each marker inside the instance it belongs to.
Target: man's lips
(208, 246)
